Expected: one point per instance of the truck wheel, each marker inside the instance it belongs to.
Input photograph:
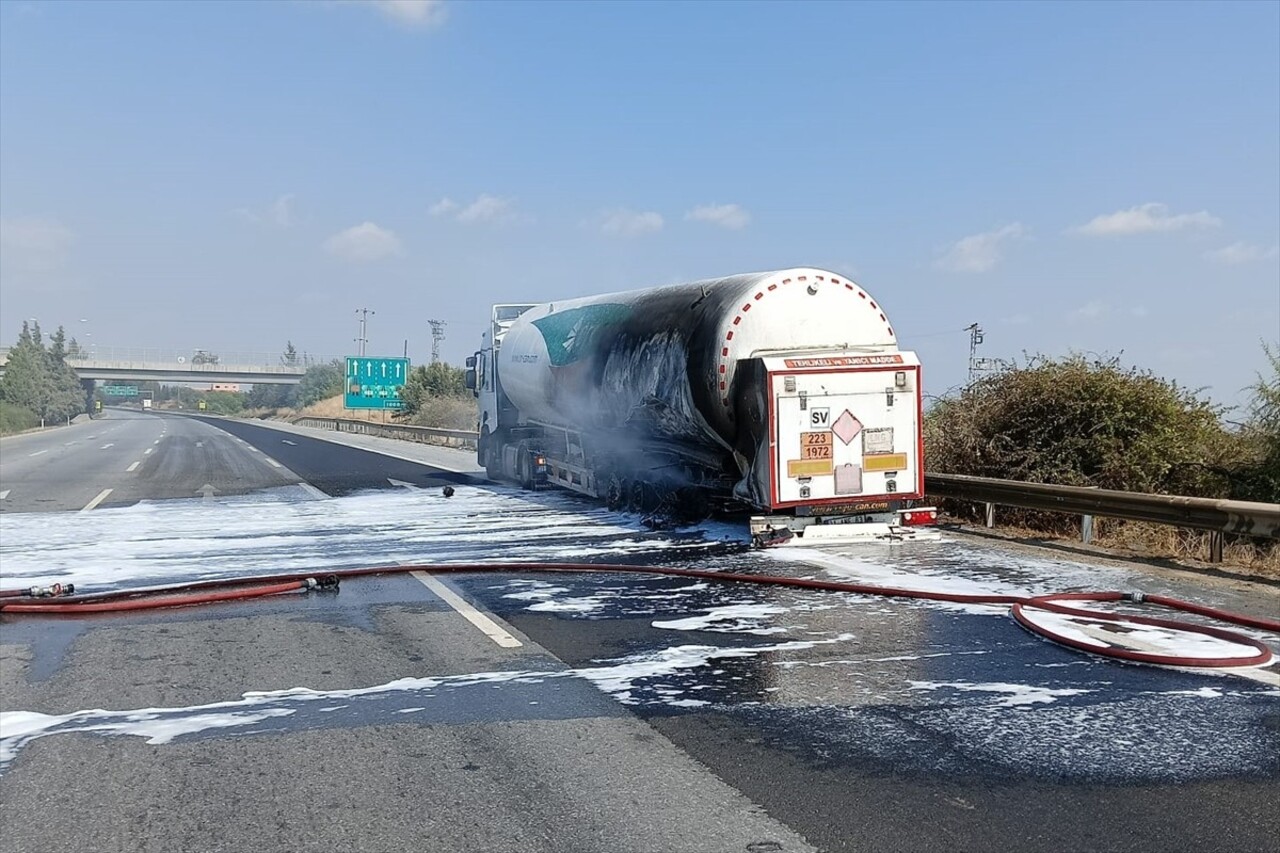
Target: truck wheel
(615, 493)
(493, 461)
(524, 469)
(639, 497)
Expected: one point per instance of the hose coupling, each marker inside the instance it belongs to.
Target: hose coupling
(326, 583)
(1135, 597)
(50, 591)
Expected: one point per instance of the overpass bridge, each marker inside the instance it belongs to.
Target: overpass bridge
(142, 364)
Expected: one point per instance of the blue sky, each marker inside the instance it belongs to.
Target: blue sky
(1093, 177)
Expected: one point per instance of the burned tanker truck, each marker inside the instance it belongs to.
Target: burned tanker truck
(782, 394)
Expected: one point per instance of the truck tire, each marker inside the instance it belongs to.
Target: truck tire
(615, 493)
(524, 468)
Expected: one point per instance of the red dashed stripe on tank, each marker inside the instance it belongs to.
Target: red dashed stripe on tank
(741, 315)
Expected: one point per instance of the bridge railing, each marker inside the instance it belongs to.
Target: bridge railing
(186, 359)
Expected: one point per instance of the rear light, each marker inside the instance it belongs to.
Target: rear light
(541, 460)
(919, 516)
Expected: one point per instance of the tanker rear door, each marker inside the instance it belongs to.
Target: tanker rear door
(845, 430)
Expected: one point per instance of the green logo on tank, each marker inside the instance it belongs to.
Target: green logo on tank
(570, 335)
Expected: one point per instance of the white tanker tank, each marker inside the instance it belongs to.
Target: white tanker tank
(751, 389)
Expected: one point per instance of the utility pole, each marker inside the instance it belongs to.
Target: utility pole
(364, 315)
(975, 338)
(437, 335)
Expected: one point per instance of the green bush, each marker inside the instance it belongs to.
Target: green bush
(1081, 422)
(16, 419)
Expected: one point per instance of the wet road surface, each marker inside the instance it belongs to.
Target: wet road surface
(635, 713)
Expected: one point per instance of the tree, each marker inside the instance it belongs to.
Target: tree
(39, 379)
(435, 380)
(290, 356)
(321, 381)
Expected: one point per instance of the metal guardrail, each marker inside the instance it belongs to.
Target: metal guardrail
(403, 432)
(1219, 517)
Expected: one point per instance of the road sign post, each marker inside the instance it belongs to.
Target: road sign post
(375, 383)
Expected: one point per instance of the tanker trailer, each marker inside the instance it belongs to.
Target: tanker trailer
(782, 393)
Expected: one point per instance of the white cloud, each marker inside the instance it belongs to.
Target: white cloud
(33, 243)
(485, 209)
(412, 14)
(730, 216)
(488, 208)
(278, 213)
(1241, 253)
(364, 242)
(979, 252)
(629, 223)
(443, 207)
(1144, 219)
(1091, 310)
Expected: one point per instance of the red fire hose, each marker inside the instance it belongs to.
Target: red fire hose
(203, 592)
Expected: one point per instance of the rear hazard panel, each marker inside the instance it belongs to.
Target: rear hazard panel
(845, 429)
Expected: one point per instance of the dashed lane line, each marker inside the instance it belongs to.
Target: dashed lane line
(102, 496)
(38, 452)
(132, 467)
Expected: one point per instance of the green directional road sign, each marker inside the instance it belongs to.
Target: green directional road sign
(120, 390)
(375, 383)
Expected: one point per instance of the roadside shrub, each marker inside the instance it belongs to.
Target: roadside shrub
(16, 419)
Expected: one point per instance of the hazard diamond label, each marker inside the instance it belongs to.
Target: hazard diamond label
(847, 427)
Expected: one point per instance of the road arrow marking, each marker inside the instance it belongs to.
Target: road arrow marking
(208, 491)
(402, 484)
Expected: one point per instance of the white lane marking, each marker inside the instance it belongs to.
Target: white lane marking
(272, 462)
(102, 496)
(67, 443)
(291, 443)
(475, 617)
(37, 453)
(157, 441)
(132, 467)
(402, 484)
(5, 494)
(148, 450)
(108, 444)
(199, 444)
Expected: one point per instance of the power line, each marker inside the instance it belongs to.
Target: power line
(364, 315)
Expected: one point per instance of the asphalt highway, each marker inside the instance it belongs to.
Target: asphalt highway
(510, 713)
